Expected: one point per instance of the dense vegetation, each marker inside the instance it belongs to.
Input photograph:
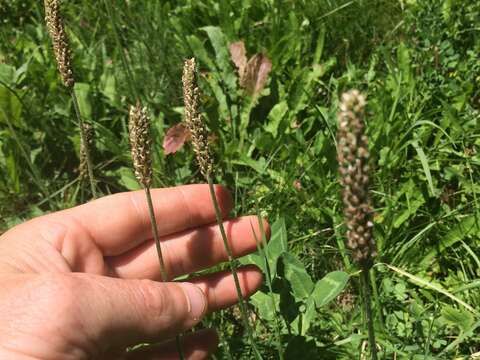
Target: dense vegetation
(417, 63)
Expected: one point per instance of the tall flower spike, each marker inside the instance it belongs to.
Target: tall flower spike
(193, 119)
(61, 48)
(353, 167)
(88, 141)
(140, 142)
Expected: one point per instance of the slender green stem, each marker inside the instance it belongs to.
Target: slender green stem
(376, 297)
(368, 311)
(163, 271)
(263, 250)
(84, 140)
(233, 268)
(156, 237)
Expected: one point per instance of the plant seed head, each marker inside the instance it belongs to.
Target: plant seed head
(86, 142)
(140, 142)
(352, 156)
(61, 49)
(193, 119)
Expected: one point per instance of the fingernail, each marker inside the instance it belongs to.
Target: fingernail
(197, 302)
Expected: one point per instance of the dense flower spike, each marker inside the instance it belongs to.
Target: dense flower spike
(59, 37)
(140, 142)
(353, 166)
(193, 119)
(88, 141)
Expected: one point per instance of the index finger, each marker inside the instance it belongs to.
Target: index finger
(120, 222)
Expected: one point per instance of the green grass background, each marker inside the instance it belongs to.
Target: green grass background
(416, 61)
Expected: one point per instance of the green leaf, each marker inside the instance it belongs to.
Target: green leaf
(458, 317)
(329, 287)
(466, 227)
(12, 108)
(82, 91)
(275, 248)
(263, 303)
(108, 86)
(277, 244)
(200, 52)
(7, 74)
(127, 178)
(275, 117)
(222, 55)
(425, 166)
(301, 283)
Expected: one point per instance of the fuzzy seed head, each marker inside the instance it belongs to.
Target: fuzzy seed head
(61, 49)
(86, 143)
(352, 154)
(193, 119)
(140, 142)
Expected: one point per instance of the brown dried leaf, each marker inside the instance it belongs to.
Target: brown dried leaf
(174, 139)
(238, 55)
(256, 74)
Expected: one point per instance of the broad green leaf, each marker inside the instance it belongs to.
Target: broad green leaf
(200, 52)
(295, 272)
(11, 108)
(275, 117)
(7, 73)
(108, 86)
(222, 55)
(82, 90)
(127, 178)
(275, 248)
(258, 165)
(301, 324)
(277, 244)
(329, 287)
(263, 302)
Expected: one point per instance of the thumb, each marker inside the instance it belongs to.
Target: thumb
(124, 312)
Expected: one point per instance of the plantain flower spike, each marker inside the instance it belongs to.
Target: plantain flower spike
(87, 142)
(193, 119)
(140, 142)
(353, 167)
(61, 49)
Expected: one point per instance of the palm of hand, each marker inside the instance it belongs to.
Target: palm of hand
(83, 283)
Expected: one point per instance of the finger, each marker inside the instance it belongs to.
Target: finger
(119, 313)
(189, 251)
(120, 222)
(196, 346)
(220, 289)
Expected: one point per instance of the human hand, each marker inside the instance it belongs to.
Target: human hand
(83, 283)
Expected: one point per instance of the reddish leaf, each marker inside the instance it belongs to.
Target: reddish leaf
(256, 74)
(262, 74)
(238, 55)
(175, 138)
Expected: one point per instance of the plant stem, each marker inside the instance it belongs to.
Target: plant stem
(163, 272)
(83, 139)
(233, 268)
(156, 237)
(368, 311)
(264, 252)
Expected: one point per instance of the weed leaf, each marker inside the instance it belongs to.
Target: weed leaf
(329, 287)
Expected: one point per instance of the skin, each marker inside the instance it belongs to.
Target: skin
(83, 283)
